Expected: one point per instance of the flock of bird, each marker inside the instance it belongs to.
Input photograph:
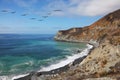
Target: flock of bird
(33, 18)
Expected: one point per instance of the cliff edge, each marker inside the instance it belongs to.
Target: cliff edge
(107, 27)
(103, 62)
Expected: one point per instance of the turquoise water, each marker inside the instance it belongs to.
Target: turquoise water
(25, 53)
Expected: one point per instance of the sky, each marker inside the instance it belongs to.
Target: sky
(49, 16)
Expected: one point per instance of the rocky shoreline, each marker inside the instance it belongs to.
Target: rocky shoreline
(102, 63)
(43, 74)
(104, 66)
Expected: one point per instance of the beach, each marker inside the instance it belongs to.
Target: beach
(58, 68)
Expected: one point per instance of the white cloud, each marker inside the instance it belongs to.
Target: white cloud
(95, 7)
(72, 7)
(84, 7)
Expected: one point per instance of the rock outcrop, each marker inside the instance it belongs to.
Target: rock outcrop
(107, 27)
(103, 63)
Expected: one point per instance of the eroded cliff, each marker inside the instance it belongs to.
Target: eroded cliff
(103, 63)
(107, 27)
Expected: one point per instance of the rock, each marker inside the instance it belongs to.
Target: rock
(101, 59)
(104, 78)
(96, 64)
(107, 27)
(103, 62)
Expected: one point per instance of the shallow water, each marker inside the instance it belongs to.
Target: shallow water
(25, 53)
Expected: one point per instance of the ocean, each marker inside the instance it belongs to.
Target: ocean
(23, 53)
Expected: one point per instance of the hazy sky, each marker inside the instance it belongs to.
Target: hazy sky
(15, 15)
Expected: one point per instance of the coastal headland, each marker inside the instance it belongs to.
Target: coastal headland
(103, 61)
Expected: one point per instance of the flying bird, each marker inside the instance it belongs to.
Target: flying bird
(32, 18)
(49, 13)
(57, 10)
(24, 14)
(44, 16)
(13, 12)
(40, 20)
(4, 10)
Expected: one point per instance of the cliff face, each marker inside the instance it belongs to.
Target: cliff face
(103, 62)
(107, 27)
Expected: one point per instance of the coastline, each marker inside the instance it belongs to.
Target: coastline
(103, 60)
(59, 69)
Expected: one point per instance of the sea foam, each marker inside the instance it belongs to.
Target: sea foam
(62, 63)
(68, 60)
(12, 77)
(19, 76)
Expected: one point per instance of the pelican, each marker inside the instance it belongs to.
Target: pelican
(13, 12)
(49, 13)
(32, 18)
(4, 10)
(44, 16)
(40, 20)
(24, 14)
(57, 10)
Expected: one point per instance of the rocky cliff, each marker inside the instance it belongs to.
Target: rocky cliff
(107, 27)
(103, 63)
